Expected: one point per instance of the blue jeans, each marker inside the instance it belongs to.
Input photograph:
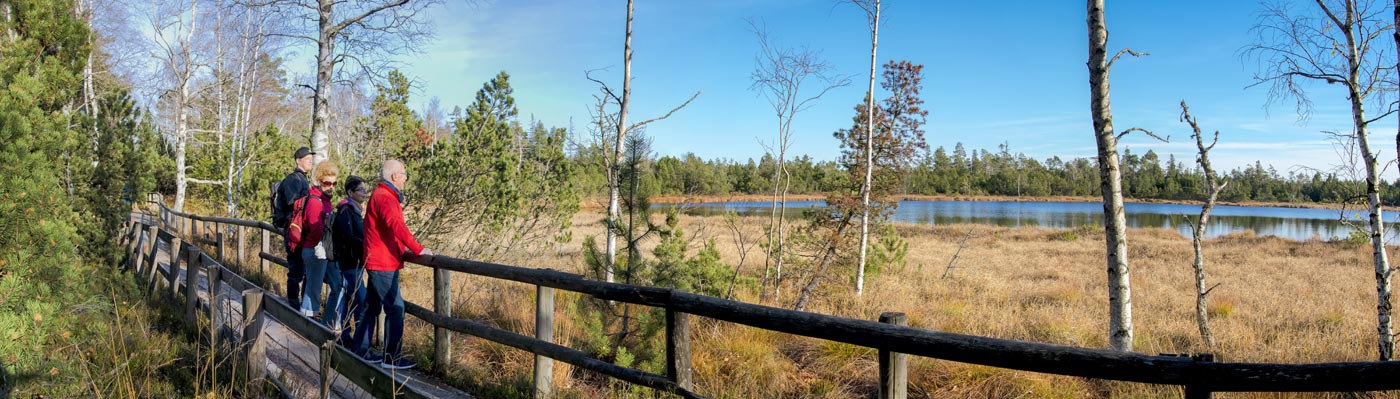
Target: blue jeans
(315, 277)
(352, 304)
(296, 275)
(383, 295)
(331, 318)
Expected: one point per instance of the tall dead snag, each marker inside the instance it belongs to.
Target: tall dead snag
(1340, 43)
(872, 15)
(1198, 230)
(619, 120)
(779, 76)
(1120, 303)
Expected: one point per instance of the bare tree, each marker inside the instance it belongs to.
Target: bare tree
(779, 77)
(872, 14)
(1198, 230)
(365, 34)
(619, 121)
(1120, 304)
(1339, 43)
(173, 25)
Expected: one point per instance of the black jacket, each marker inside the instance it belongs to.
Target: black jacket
(348, 234)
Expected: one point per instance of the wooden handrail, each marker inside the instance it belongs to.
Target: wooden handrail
(995, 352)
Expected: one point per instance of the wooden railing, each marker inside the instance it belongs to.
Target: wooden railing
(141, 253)
(1199, 375)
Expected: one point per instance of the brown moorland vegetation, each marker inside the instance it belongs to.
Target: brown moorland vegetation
(1280, 301)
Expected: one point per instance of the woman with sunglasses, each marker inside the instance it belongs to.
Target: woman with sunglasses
(316, 246)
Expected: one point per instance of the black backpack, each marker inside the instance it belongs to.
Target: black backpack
(280, 217)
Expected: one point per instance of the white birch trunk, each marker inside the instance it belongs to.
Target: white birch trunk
(1120, 304)
(182, 134)
(869, 152)
(325, 65)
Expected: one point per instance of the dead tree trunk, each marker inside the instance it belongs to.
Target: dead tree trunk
(614, 211)
(1213, 189)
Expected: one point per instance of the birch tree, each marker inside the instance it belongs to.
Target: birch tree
(1120, 304)
(1340, 43)
(1198, 230)
(872, 14)
(361, 34)
(618, 120)
(173, 25)
(779, 77)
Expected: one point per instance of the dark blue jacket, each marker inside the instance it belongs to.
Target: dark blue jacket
(348, 234)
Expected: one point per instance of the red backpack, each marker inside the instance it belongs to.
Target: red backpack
(294, 227)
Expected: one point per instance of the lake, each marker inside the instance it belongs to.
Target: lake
(1290, 223)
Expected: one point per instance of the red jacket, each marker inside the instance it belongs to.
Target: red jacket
(318, 209)
(386, 236)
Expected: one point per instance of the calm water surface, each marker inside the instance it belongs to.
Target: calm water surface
(1291, 223)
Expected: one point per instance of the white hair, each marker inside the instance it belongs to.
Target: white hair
(390, 167)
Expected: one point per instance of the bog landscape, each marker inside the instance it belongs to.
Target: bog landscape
(727, 199)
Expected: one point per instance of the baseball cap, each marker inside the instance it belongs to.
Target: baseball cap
(301, 152)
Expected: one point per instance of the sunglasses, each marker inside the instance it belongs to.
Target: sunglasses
(328, 183)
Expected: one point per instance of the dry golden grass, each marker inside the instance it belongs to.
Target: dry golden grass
(1279, 301)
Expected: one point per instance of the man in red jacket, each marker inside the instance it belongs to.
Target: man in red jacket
(387, 242)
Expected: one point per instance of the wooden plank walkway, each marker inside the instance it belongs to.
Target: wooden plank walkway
(292, 361)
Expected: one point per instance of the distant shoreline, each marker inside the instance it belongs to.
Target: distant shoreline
(672, 199)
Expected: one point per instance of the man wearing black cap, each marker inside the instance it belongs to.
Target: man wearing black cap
(293, 187)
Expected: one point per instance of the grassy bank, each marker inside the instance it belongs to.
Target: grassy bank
(100, 337)
(1279, 301)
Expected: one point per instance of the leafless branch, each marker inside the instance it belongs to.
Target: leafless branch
(1109, 65)
(1144, 131)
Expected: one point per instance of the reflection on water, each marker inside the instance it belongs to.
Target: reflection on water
(1290, 223)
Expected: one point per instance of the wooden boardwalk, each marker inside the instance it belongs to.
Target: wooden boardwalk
(292, 362)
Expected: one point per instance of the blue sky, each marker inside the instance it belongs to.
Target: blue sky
(995, 72)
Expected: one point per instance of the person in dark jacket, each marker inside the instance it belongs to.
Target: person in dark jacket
(292, 188)
(348, 233)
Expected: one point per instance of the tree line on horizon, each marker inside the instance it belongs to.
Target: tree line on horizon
(1000, 173)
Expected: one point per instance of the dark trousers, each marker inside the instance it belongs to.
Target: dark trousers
(383, 296)
(296, 276)
(352, 304)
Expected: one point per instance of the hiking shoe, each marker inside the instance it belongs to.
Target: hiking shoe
(398, 363)
(373, 358)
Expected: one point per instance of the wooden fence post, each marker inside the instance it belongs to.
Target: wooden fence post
(147, 241)
(148, 262)
(242, 253)
(191, 282)
(1197, 391)
(254, 351)
(544, 331)
(262, 263)
(894, 367)
(678, 348)
(327, 349)
(177, 247)
(133, 250)
(442, 304)
(216, 318)
(219, 242)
